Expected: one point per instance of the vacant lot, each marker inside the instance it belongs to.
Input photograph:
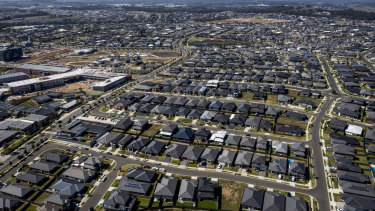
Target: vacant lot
(231, 194)
(74, 87)
(250, 20)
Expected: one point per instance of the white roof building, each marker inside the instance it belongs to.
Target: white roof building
(354, 130)
(219, 136)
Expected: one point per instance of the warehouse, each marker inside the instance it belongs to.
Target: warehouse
(108, 84)
(6, 136)
(41, 69)
(11, 77)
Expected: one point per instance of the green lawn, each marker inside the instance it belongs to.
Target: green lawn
(207, 204)
(153, 130)
(185, 204)
(42, 197)
(32, 207)
(106, 195)
(95, 93)
(185, 120)
(287, 121)
(143, 202)
(104, 110)
(115, 183)
(30, 103)
(103, 148)
(247, 96)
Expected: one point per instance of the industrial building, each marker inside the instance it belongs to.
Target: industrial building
(11, 77)
(52, 81)
(9, 53)
(41, 69)
(108, 84)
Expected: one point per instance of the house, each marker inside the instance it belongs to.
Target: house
(278, 166)
(343, 149)
(140, 125)
(227, 157)
(183, 112)
(187, 191)
(43, 166)
(202, 135)
(297, 169)
(273, 202)
(219, 136)
(123, 125)
(354, 130)
(141, 175)
(352, 167)
(207, 190)
(93, 163)
(125, 141)
(265, 125)
(233, 140)
(228, 107)
(257, 109)
(203, 104)
(207, 116)
(110, 139)
(68, 187)
(289, 130)
(295, 203)
(337, 125)
(184, 134)
(134, 187)
(169, 129)
(299, 149)
(210, 155)
(215, 105)
(295, 116)
(262, 143)
(243, 159)
(357, 188)
(306, 104)
(280, 147)
(357, 202)
(284, 99)
(9, 203)
(31, 177)
(55, 157)
(57, 201)
(252, 198)
(166, 189)
(237, 120)
(248, 142)
(221, 118)
(176, 151)
(154, 148)
(119, 200)
(353, 177)
(243, 108)
(138, 144)
(253, 122)
(18, 190)
(195, 114)
(79, 174)
(272, 112)
(370, 134)
(192, 153)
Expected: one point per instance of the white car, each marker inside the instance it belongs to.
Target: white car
(280, 177)
(219, 166)
(157, 163)
(162, 169)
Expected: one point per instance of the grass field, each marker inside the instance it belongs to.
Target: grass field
(30, 103)
(207, 204)
(154, 129)
(231, 194)
(288, 121)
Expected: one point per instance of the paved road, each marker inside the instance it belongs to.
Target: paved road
(103, 187)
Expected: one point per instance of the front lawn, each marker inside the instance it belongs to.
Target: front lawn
(207, 204)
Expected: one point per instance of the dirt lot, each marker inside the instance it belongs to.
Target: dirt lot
(249, 20)
(65, 56)
(74, 87)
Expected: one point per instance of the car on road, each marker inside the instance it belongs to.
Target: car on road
(146, 167)
(109, 153)
(104, 179)
(157, 163)
(68, 150)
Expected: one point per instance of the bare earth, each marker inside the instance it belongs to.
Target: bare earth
(74, 87)
(250, 20)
